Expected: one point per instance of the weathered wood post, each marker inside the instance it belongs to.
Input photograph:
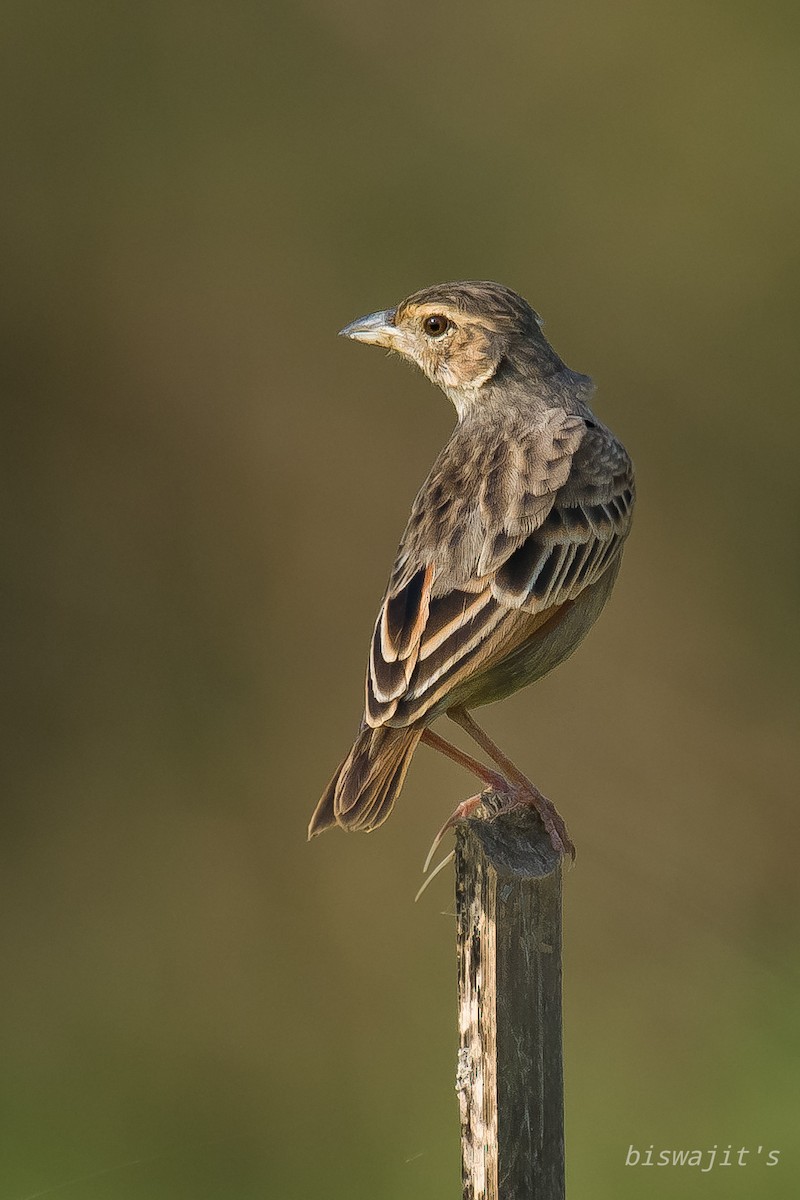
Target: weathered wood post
(510, 1073)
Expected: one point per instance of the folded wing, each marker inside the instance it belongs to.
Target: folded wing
(498, 541)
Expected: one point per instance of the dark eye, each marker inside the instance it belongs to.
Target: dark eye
(436, 325)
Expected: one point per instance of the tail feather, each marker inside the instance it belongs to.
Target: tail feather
(363, 791)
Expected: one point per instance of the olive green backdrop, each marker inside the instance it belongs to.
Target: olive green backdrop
(203, 494)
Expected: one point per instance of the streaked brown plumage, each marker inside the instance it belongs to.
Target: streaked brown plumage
(511, 549)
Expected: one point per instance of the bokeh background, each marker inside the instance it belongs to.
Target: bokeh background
(203, 494)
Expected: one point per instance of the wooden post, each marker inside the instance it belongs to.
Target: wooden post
(510, 1074)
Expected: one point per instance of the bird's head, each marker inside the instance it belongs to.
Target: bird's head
(459, 334)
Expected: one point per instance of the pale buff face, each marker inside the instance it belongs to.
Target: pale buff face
(456, 350)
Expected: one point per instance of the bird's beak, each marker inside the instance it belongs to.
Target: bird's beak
(378, 329)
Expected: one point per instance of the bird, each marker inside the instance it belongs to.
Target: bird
(510, 553)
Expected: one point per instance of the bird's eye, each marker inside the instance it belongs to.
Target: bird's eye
(436, 325)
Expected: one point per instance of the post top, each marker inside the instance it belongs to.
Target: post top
(515, 843)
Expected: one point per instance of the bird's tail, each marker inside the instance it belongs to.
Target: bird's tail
(363, 791)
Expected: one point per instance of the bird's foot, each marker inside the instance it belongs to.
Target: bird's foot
(528, 796)
(505, 798)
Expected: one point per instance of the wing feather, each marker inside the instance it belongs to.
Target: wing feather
(480, 568)
(404, 614)
(448, 614)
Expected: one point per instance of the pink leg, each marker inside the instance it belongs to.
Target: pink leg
(521, 790)
(486, 774)
(496, 784)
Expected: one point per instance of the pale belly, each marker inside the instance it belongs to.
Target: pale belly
(548, 647)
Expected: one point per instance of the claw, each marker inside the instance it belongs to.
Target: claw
(554, 824)
(460, 813)
(447, 859)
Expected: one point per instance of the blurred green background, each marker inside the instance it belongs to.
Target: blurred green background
(203, 494)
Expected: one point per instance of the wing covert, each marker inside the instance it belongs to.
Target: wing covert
(520, 529)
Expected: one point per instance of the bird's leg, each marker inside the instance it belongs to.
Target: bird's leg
(495, 781)
(521, 791)
(496, 784)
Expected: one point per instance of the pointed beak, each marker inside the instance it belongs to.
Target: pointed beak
(378, 329)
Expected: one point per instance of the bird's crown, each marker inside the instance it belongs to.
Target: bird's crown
(482, 299)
